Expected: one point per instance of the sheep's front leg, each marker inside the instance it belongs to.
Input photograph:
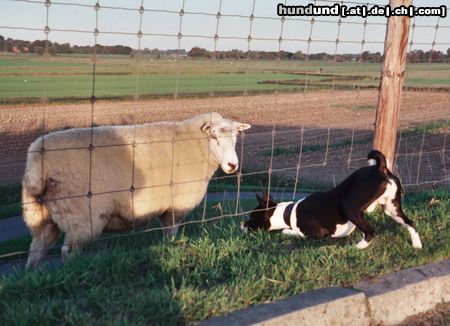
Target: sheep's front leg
(169, 221)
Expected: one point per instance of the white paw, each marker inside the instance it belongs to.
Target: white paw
(415, 238)
(362, 244)
(416, 242)
(292, 232)
(243, 228)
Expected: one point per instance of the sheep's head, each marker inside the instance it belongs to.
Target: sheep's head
(222, 142)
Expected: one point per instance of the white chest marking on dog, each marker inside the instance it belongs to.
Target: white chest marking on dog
(277, 219)
(371, 162)
(293, 221)
(343, 230)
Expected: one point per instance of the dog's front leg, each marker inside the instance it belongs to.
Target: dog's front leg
(357, 218)
(293, 232)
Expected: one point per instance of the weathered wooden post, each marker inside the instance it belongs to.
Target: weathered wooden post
(391, 82)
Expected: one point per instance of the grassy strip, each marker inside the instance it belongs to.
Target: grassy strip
(437, 126)
(311, 148)
(10, 199)
(15, 245)
(213, 268)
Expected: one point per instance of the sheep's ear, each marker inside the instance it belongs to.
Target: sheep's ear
(206, 128)
(240, 127)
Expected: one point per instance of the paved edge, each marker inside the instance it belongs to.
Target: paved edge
(387, 299)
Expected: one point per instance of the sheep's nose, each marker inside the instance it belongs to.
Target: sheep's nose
(233, 166)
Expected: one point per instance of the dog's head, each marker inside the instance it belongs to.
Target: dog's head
(261, 214)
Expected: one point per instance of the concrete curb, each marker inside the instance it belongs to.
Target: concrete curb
(387, 299)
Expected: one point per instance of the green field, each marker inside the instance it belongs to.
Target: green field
(65, 77)
(213, 268)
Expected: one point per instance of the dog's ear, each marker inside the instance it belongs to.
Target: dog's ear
(267, 198)
(259, 199)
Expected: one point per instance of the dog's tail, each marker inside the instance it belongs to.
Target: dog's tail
(377, 158)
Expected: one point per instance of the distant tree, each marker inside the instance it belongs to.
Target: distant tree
(2, 43)
(8, 44)
(52, 50)
(299, 56)
(40, 43)
(197, 52)
(64, 48)
(434, 56)
(285, 55)
(39, 50)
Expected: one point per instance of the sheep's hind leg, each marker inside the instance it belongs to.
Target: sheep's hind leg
(44, 237)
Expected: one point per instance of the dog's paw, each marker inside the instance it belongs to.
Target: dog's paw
(417, 243)
(243, 228)
(292, 232)
(362, 244)
(415, 238)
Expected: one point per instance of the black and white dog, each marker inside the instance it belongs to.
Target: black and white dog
(337, 212)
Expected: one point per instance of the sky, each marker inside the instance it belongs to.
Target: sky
(70, 22)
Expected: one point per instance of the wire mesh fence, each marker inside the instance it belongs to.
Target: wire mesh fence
(307, 85)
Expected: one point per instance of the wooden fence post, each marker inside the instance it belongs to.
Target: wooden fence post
(391, 82)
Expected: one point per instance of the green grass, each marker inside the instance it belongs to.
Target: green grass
(311, 148)
(70, 77)
(438, 126)
(10, 199)
(12, 246)
(211, 269)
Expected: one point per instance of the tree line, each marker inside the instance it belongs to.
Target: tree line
(366, 56)
(54, 48)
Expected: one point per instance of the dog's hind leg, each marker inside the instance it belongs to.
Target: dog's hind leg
(393, 209)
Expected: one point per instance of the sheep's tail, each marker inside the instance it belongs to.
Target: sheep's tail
(380, 161)
(35, 213)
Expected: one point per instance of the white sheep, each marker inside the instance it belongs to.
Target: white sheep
(84, 181)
